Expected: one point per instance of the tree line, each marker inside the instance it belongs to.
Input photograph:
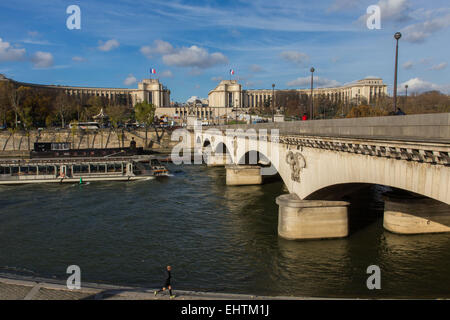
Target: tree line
(23, 107)
(295, 105)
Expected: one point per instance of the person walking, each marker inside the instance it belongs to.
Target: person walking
(167, 284)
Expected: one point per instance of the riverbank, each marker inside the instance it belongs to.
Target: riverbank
(13, 287)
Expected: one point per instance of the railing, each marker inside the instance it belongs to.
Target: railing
(424, 127)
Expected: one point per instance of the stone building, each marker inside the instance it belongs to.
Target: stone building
(229, 93)
(150, 90)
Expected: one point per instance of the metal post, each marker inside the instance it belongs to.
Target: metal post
(311, 111)
(406, 98)
(397, 37)
(235, 110)
(273, 100)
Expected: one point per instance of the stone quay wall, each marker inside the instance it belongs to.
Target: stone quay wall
(21, 142)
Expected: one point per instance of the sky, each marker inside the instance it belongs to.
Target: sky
(193, 44)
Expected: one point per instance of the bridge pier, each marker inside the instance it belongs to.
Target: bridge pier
(218, 160)
(241, 175)
(311, 219)
(413, 215)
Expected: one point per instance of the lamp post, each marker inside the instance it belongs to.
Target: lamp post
(273, 99)
(397, 37)
(406, 88)
(235, 110)
(311, 111)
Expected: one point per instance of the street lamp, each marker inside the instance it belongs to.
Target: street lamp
(235, 110)
(311, 111)
(273, 99)
(397, 37)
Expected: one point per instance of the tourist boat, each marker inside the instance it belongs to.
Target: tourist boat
(80, 170)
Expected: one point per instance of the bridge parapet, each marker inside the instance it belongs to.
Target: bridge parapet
(424, 127)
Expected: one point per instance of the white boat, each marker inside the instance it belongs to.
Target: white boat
(80, 170)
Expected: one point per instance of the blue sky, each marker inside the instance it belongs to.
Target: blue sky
(193, 44)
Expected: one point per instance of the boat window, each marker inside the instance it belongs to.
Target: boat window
(14, 171)
(97, 168)
(24, 170)
(45, 170)
(114, 167)
(5, 170)
(80, 169)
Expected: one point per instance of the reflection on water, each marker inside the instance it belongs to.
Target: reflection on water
(217, 238)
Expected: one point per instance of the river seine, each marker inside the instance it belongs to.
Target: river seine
(217, 238)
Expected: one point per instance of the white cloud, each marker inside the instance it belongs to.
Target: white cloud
(440, 66)
(194, 57)
(8, 53)
(419, 32)
(130, 80)
(108, 45)
(256, 68)
(42, 59)
(78, 59)
(166, 74)
(160, 47)
(295, 56)
(216, 79)
(391, 10)
(408, 65)
(318, 82)
(397, 10)
(418, 85)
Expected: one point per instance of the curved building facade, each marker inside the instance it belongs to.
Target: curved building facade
(150, 90)
(229, 93)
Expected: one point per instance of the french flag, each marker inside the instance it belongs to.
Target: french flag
(231, 71)
(153, 71)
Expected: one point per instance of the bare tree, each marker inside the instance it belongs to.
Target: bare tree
(64, 107)
(15, 98)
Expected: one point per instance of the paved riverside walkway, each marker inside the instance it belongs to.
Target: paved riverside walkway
(27, 288)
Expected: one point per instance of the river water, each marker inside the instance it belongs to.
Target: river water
(217, 238)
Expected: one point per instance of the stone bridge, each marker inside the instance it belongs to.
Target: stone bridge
(321, 161)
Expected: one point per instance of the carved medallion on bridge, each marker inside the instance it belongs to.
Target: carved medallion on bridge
(297, 162)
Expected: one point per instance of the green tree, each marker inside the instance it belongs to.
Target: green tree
(145, 113)
(117, 114)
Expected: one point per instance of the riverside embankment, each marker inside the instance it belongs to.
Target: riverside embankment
(13, 287)
(19, 143)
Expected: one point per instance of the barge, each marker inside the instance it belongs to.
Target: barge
(56, 162)
(78, 170)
